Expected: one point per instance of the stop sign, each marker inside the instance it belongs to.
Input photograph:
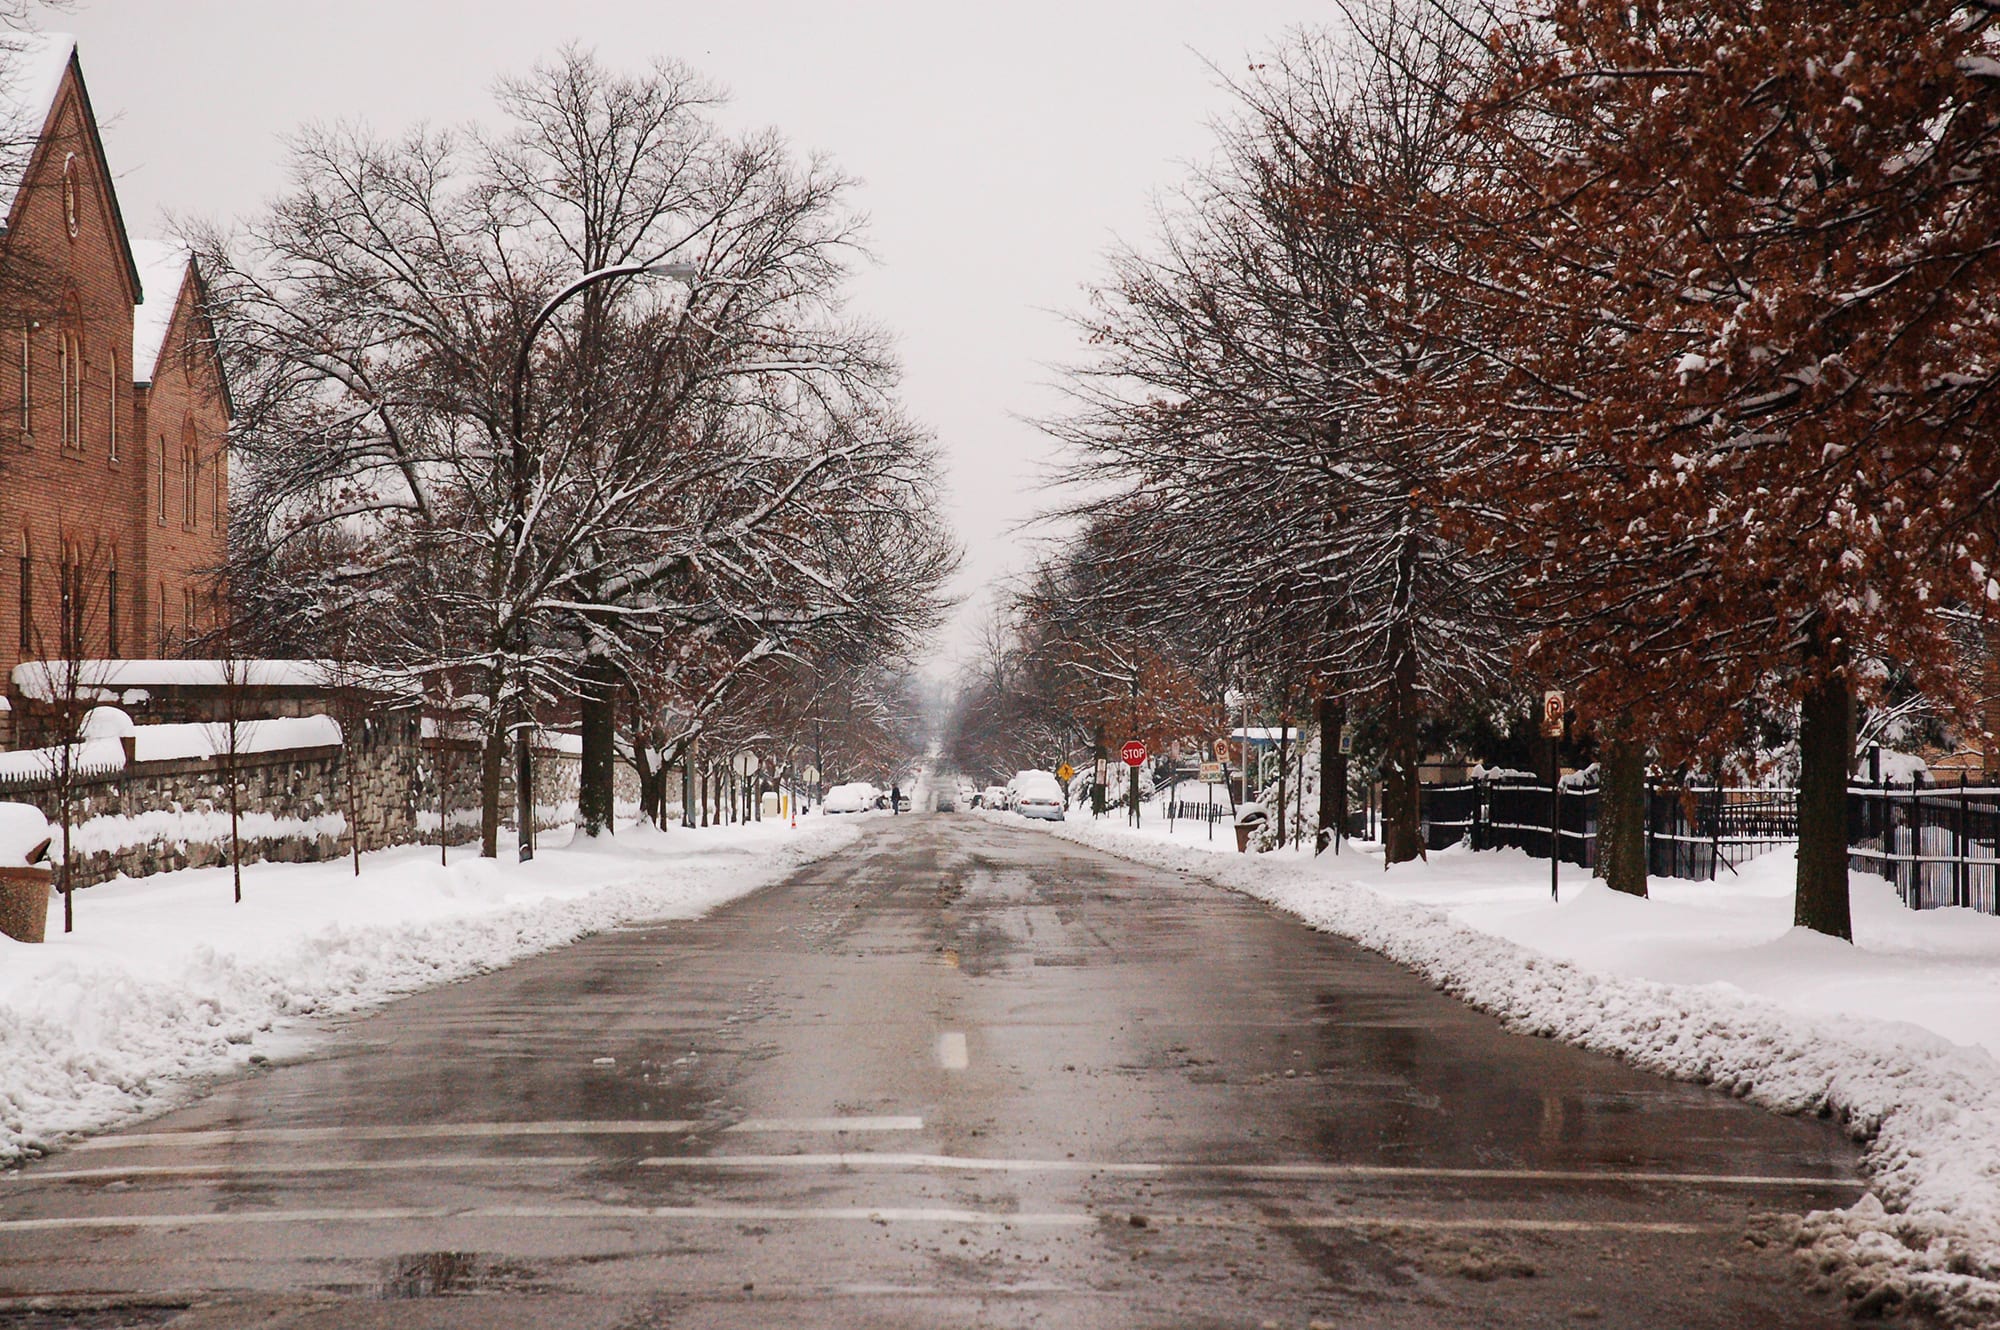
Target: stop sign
(1134, 753)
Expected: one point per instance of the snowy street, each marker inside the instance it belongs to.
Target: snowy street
(958, 1072)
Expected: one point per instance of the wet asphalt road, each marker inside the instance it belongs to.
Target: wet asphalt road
(961, 1074)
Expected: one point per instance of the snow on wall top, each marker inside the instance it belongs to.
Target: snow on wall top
(167, 743)
(32, 65)
(42, 680)
(162, 271)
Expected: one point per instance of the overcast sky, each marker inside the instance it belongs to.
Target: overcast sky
(1002, 148)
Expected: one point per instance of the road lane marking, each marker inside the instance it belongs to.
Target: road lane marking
(427, 1163)
(456, 1130)
(1274, 1171)
(951, 1051)
(827, 1124)
(408, 1132)
(739, 1214)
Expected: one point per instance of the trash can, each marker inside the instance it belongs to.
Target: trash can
(24, 872)
(1248, 824)
(24, 903)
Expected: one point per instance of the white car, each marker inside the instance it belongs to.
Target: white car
(994, 796)
(1038, 798)
(854, 797)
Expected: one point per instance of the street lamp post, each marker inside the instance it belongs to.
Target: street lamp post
(524, 793)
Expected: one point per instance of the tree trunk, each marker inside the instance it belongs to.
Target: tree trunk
(1284, 770)
(1826, 747)
(524, 791)
(351, 727)
(597, 712)
(1402, 828)
(1098, 758)
(492, 764)
(1402, 824)
(1621, 815)
(1332, 772)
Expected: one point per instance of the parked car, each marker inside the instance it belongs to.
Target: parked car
(995, 796)
(856, 796)
(1037, 794)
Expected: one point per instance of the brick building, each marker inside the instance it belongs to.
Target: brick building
(114, 415)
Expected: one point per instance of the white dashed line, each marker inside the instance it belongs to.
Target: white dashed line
(883, 1160)
(827, 1124)
(951, 1051)
(488, 1130)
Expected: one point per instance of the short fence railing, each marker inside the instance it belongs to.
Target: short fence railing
(1937, 845)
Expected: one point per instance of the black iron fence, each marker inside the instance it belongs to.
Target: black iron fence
(1690, 833)
(1937, 845)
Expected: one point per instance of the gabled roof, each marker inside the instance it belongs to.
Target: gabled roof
(168, 270)
(32, 68)
(164, 270)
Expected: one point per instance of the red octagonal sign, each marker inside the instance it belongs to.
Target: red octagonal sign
(1134, 753)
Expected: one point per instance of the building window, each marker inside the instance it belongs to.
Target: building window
(188, 610)
(69, 195)
(163, 480)
(165, 632)
(68, 643)
(217, 506)
(27, 598)
(111, 612)
(69, 370)
(111, 401)
(189, 469)
(27, 378)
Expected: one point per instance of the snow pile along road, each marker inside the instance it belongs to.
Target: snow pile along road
(1655, 982)
(165, 979)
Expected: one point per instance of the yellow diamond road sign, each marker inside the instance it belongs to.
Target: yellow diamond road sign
(1065, 772)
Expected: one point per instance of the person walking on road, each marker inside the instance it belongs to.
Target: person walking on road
(895, 797)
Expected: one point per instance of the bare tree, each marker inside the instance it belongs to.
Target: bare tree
(657, 458)
(67, 678)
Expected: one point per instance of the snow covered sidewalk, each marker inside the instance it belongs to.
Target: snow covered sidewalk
(1896, 1036)
(165, 979)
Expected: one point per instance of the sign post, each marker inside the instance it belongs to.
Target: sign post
(1134, 757)
(1065, 773)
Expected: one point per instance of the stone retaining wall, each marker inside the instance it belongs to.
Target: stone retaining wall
(170, 815)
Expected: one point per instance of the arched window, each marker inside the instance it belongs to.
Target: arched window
(27, 595)
(27, 378)
(166, 637)
(69, 371)
(111, 607)
(163, 481)
(218, 506)
(111, 413)
(189, 467)
(69, 643)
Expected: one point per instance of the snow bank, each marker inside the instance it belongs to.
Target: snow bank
(166, 980)
(1895, 1037)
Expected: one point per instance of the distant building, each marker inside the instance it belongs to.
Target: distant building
(114, 415)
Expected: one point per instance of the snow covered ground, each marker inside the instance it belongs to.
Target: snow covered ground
(165, 980)
(1896, 1036)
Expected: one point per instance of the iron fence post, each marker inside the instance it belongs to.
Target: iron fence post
(1958, 889)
